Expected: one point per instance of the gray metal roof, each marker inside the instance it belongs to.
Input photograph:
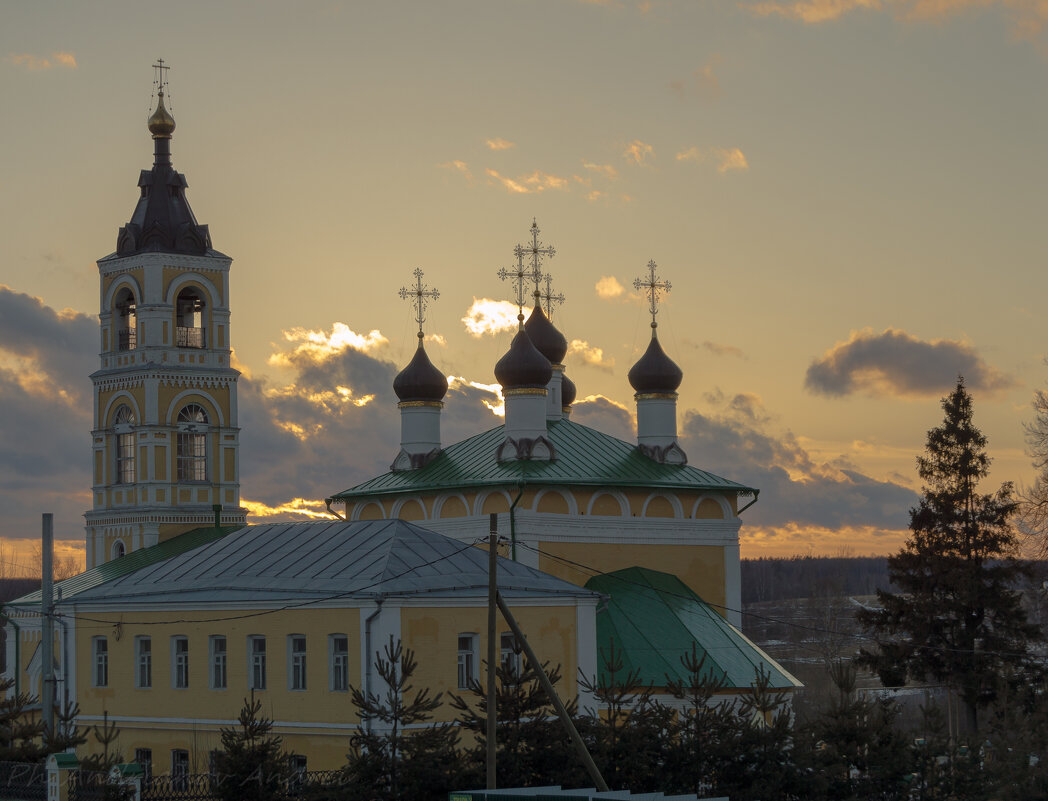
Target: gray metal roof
(288, 563)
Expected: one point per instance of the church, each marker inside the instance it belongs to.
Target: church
(185, 608)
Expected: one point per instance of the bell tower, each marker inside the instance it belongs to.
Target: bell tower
(166, 439)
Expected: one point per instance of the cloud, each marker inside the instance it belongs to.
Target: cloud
(1028, 17)
(487, 316)
(703, 81)
(730, 158)
(33, 63)
(472, 394)
(310, 345)
(591, 355)
(638, 152)
(719, 349)
(796, 490)
(460, 166)
(293, 509)
(498, 143)
(895, 363)
(609, 288)
(606, 170)
(531, 184)
(605, 414)
(792, 539)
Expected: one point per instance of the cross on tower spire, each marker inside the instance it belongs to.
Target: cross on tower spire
(159, 79)
(535, 251)
(550, 299)
(653, 285)
(420, 295)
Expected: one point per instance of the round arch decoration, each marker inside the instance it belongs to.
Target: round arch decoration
(568, 498)
(123, 282)
(373, 509)
(402, 504)
(447, 500)
(482, 501)
(618, 497)
(672, 500)
(194, 280)
(726, 512)
(199, 397)
(123, 397)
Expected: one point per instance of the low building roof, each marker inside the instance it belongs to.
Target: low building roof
(653, 619)
(287, 564)
(585, 457)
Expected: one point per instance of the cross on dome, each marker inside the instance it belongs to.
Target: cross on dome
(652, 286)
(517, 278)
(420, 295)
(159, 79)
(536, 251)
(549, 298)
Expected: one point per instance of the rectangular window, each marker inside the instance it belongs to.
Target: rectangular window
(256, 668)
(100, 657)
(338, 645)
(467, 660)
(296, 662)
(143, 663)
(179, 770)
(509, 656)
(125, 458)
(144, 757)
(179, 663)
(217, 648)
(192, 456)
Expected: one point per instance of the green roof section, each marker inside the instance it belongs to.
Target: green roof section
(129, 563)
(653, 618)
(583, 457)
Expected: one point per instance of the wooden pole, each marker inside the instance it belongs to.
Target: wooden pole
(47, 625)
(547, 685)
(493, 539)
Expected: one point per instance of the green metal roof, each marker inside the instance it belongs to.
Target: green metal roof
(584, 457)
(653, 618)
(135, 560)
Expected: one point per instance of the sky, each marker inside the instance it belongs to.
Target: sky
(844, 194)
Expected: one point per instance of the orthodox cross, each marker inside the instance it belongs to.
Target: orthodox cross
(158, 76)
(652, 286)
(419, 295)
(536, 252)
(548, 296)
(517, 279)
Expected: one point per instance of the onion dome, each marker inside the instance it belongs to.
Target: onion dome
(161, 123)
(523, 366)
(545, 336)
(655, 371)
(420, 380)
(568, 391)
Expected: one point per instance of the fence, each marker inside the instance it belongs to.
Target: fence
(23, 781)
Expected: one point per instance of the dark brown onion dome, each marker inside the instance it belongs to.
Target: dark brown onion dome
(568, 391)
(655, 371)
(420, 380)
(545, 336)
(523, 366)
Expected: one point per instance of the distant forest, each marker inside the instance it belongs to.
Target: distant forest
(781, 578)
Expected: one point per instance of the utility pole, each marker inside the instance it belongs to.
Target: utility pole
(47, 626)
(493, 555)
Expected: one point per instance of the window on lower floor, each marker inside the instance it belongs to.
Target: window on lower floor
(216, 646)
(338, 647)
(100, 659)
(144, 757)
(256, 667)
(179, 662)
(467, 660)
(179, 769)
(296, 662)
(143, 663)
(509, 654)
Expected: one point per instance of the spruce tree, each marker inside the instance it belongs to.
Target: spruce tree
(957, 618)
(252, 764)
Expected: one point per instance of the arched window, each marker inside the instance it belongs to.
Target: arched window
(118, 549)
(189, 319)
(192, 443)
(126, 320)
(123, 430)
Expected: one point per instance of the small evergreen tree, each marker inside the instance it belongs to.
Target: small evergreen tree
(376, 767)
(957, 619)
(252, 765)
(20, 732)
